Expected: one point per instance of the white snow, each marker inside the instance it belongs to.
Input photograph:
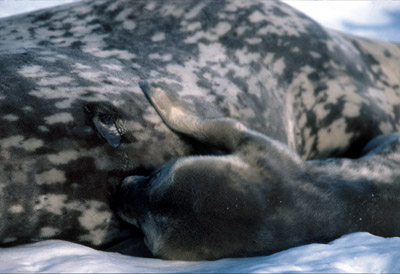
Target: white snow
(12, 7)
(374, 19)
(354, 253)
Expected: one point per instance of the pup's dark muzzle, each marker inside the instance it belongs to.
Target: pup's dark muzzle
(131, 199)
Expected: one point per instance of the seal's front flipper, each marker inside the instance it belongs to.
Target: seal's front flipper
(175, 113)
(104, 119)
(224, 133)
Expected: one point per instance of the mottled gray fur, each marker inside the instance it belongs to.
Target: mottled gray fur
(260, 197)
(74, 122)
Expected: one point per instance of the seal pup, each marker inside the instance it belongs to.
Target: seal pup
(260, 197)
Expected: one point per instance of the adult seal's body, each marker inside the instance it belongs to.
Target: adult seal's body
(261, 197)
(74, 122)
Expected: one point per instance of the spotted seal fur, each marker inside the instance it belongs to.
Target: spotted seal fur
(74, 122)
(260, 197)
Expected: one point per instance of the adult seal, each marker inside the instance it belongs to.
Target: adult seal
(74, 122)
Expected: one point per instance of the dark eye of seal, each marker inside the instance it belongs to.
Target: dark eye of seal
(106, 118)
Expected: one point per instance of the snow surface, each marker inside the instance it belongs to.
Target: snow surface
(355, 253)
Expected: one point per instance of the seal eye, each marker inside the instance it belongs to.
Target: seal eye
(106, 118)
(105, 125)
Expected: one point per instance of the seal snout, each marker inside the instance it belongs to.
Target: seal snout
(131, 199)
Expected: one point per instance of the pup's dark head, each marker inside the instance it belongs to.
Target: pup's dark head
(194, 209)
